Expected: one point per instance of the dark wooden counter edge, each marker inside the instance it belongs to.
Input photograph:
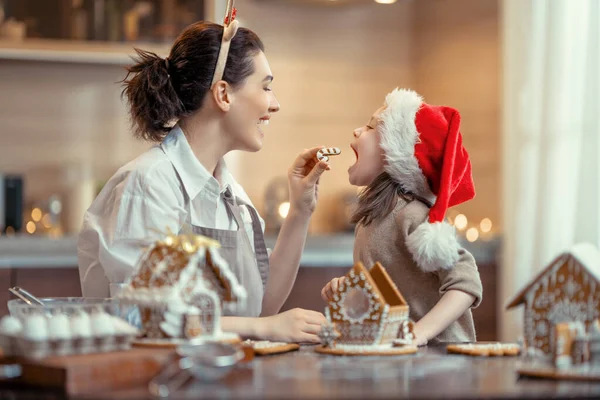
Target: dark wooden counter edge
(484, 370)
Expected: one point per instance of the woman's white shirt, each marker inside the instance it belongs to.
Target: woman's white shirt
(164, 188)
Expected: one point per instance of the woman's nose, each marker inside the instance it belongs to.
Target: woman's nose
(356, 133)
(274, 105)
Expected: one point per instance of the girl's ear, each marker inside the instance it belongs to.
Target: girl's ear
(222, 95)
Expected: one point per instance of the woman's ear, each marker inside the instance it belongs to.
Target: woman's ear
(221, 93)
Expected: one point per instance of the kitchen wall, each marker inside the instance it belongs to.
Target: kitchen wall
(333, 67)
(63, 124)
(329, 80)
(456, 61)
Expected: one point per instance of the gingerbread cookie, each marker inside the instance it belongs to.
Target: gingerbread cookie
(266, 347)
(368, 350)
(324, 154)
(575, 373)
(225, 338)
(485, 349)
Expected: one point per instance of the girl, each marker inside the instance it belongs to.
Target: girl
(218, 88)
(411, 159)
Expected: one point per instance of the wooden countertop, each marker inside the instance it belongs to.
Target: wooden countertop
(430, 374)
(71, 51)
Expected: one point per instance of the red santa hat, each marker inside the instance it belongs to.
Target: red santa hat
(425, 154)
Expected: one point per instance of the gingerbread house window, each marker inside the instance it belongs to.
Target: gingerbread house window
(356, 305)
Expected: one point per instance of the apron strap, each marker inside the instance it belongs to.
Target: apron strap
(260, 249)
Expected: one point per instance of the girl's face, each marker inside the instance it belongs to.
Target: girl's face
(252, 106)
(369, 154)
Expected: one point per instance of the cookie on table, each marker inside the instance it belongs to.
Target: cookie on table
(266, 347)
(485, 349)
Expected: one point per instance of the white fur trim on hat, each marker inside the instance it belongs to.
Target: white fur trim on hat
(398, 138)
(434, 246)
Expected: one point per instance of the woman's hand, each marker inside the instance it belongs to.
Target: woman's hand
(293, 326)
(331, 288)
(303, 177)
(420, 340)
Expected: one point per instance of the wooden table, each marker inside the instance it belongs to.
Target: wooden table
(304, 374)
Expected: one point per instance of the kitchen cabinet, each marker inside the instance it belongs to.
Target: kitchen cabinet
(105, 20)
(306, 293)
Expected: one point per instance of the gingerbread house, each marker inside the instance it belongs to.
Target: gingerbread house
(561, 305)
(368, 309)
(181, 286)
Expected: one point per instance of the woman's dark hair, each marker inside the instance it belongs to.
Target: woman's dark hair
(161, 92)
(379, 199)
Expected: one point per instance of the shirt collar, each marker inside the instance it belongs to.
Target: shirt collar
(194, 176)
(222, 174)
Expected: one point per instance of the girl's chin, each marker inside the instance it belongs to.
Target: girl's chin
(354, 177)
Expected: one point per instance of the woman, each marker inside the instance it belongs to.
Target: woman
(183, 180)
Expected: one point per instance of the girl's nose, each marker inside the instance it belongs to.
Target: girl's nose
(356, 133)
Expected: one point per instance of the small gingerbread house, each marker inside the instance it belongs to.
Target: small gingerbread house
(561, 301)
(368, 309)
(181, 286)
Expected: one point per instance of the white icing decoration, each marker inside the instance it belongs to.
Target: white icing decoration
(542, 328)
(265, 344)
(368, 348)
(354, 308)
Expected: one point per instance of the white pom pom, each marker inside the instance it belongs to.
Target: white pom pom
(434, 246)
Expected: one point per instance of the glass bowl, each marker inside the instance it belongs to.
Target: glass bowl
(70, 306)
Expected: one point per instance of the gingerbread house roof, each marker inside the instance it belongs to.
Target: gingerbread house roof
(584, 254)
(380, 283)
(172, 267)
(386, 286)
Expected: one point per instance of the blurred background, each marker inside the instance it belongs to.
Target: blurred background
(523, 73)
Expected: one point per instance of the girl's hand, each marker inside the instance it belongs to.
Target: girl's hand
(303, 177)
(293, 326)
(331, 288)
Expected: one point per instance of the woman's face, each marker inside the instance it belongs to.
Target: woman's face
(252, 106)
(369, 154)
